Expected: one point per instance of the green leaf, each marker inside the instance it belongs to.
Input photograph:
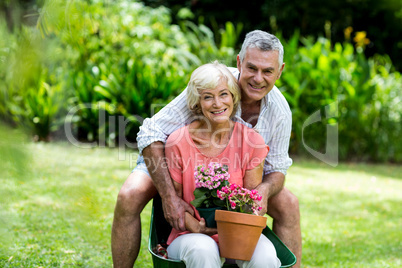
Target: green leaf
(103, 92)
(197, 202)
(219, 203)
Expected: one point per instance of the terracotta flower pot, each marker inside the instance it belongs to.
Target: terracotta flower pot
(238, 233)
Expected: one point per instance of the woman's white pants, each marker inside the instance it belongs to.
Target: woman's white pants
(201, 251)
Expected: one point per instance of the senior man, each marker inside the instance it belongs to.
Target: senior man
(263, 107)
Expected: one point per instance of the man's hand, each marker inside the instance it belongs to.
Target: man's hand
(174, 209)
(263, 190)
(272, 184)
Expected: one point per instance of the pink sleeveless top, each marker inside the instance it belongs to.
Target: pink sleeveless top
(246, 150)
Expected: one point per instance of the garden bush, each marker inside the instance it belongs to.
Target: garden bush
(30, 89)
(365, 93)
(121, 60)
(132, 61)
(381, 20)
(104, 66)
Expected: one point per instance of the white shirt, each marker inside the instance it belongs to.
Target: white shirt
(274, 125)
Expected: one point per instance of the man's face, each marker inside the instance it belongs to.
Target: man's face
(258, 73)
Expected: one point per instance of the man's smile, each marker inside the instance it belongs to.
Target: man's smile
(256, 87)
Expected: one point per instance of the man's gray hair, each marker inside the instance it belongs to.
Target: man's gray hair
(264, 41)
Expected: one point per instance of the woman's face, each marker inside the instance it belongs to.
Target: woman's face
(217, 104)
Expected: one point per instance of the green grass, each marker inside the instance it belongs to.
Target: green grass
(351, 214)
(57, 205)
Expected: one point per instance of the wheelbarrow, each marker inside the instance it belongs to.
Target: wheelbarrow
(160, 229)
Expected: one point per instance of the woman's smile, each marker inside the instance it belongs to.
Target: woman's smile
(219, 112)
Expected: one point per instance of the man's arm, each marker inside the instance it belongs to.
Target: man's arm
(151, 138)
(172, 117)
(252, 177)
(174, 207)
(278, 121)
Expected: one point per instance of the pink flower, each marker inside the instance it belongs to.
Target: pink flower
(211, 177)
(240, 199)
(215, 178)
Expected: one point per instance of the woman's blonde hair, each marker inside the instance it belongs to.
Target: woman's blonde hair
(209, 76)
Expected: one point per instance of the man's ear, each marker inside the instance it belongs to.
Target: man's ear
(280, 71)
(238, 63)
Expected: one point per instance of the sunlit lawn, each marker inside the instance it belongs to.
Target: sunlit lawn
(57, 209)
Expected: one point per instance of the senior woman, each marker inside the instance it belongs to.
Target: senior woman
(213, 95)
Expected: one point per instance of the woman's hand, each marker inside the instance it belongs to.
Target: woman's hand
(195, 226)
(206, 230)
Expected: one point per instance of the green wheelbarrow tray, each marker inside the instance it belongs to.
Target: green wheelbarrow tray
(159, 232)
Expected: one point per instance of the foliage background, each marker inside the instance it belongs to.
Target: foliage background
(381, 20)
(84, 61)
